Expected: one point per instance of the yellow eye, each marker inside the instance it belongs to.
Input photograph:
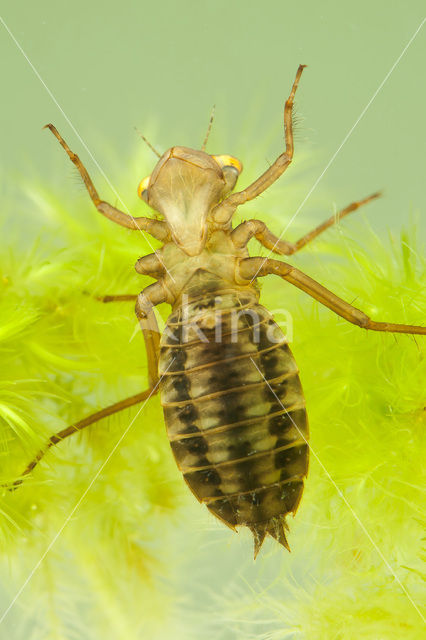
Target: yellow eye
(142, 188)
(229, 161)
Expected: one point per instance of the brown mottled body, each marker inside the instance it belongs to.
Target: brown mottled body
(231, 394)
(234, 410)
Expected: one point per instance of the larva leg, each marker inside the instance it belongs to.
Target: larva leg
(146, 300)
(82, 424)
(299, 244)
(152, 337)
(245, 231)
(253, 267)
(156, 228)
(151, 265)
(223, 212)
(125, 297)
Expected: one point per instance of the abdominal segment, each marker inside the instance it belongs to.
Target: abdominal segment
(235, 411)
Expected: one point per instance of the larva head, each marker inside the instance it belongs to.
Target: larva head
(184, 187)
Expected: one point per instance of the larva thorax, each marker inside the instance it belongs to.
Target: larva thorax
(218, 261)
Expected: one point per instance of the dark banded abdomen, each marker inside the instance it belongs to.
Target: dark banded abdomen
(234, 411)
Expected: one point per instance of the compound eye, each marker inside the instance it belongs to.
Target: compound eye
(228, 161)
(143, 188)
(231, 169)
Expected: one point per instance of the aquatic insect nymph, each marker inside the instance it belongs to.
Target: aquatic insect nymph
(234, 407)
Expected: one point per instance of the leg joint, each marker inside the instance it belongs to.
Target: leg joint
(285, 158)
(143, 306)
(359, 318)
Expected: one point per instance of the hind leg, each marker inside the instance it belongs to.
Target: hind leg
(82, 424)
(151, 336)
(251, 268)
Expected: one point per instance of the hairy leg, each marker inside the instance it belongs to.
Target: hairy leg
(245, 231)
(82, 424)
(223, 212)
(156, 228)
(151, 265)
(253, 267)
(151, 336)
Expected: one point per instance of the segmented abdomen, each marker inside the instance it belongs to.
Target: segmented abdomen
(234, 411)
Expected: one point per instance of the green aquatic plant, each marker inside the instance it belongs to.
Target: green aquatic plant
(137, 556)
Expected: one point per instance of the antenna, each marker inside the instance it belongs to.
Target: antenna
(148, 143)
(209, 128)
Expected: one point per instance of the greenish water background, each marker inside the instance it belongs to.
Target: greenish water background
(112, 66)
(161, 67)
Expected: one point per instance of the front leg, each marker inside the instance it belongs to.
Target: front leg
(250, 268)
(223, 212)
(155, 228)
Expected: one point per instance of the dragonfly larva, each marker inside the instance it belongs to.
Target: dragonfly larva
(232, 399)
